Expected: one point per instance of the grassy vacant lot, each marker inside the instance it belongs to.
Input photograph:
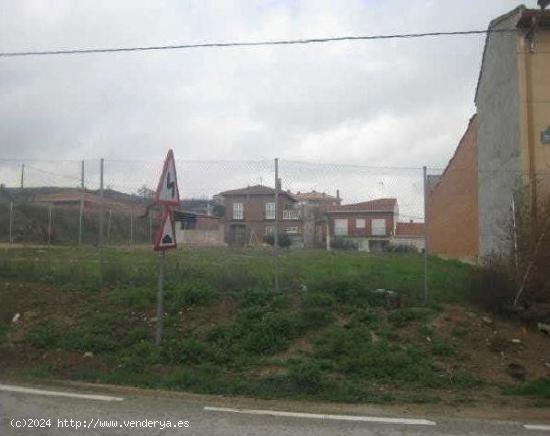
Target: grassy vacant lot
(325, 335)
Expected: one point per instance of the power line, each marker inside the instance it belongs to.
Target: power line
(250, 43)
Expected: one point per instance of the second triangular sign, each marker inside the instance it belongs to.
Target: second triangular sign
(166, 238)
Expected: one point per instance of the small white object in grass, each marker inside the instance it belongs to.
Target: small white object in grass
(88, 354)
(16, 317)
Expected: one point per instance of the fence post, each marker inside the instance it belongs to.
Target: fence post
(109, 226)
(425, 177)
(150, 226)
(276, 235)
(11, 222)
(49, 223)
(81, 213)
(22, 176)
(101, 206)
(132, 225)
(101, 218)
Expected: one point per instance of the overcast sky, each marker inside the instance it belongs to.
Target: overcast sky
(396, 103)
(393, 103)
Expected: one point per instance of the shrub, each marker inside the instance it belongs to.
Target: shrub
(401, 317)
(493, 286)
(4, 329)
(316, 317)
(43, 336)
(364, 317)
(342, 243)
(138, 356)
(189, 293)
(536, 388)
(306, 375)
(442, 348)
(139, 297)
(318, 299)
(185, 351)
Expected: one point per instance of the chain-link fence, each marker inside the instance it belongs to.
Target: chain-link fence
(60, 202)
(239, 205)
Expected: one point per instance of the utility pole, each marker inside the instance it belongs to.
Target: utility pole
(276, 235)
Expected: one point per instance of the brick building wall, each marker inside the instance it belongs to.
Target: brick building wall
(452, 226)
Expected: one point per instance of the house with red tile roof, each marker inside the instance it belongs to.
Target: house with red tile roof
(369, 224)
(372, 225)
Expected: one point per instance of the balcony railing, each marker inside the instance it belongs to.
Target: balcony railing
(291, 214)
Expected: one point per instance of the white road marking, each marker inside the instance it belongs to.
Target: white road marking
(378, 419)
(537, 427)
(24, 390)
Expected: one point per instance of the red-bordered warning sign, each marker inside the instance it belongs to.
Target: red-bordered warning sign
(166, 236)
(167, 190)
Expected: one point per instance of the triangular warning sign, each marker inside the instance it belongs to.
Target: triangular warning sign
(166, 237)
(167, 190)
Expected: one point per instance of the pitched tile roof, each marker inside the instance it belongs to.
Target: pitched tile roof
(409, 229)
(314, 195)
(255, 190)
(378, 205)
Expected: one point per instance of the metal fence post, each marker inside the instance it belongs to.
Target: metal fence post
(276, 235)
(425, 177)
(81, 212)
(150, 226)
(49, 223)
(101, 218)
(101, 206)
(132, 226)
(11, 222)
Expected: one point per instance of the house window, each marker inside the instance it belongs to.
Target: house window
(269, 230)
(378, 227)
(292, 230)
(238, 211)
(360, 223)
(341, 227)
(270, 211)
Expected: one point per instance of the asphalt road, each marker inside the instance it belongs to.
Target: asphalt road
(134, 412)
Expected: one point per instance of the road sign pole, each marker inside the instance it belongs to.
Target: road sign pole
(160, 298)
